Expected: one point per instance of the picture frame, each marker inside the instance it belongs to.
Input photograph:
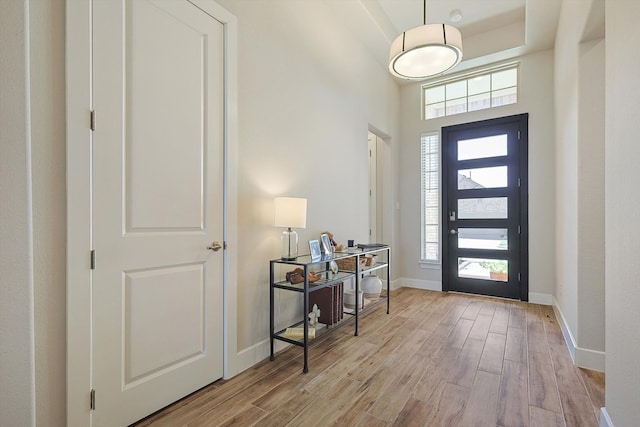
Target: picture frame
(327, 249)
(314, 250)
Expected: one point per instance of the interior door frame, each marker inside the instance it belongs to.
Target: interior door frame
(372, 148)
(523, 122)
(78, 169)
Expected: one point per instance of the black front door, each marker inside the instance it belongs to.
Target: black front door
(484, 171)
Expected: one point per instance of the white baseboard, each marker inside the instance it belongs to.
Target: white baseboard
(430, 285)
(566, 332)
(582, 357)
(590, 359)
(605, 420)
(542, 299)
(395, 284)
(249, 357)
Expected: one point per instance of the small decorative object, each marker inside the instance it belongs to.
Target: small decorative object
(314, 277)
(314, 250)
(350, 243)
(370, 259)
(327, 249)
(298, 333)
(290, 212)
(350, 299)
(297, 276)
(371, 286)
(334, 267)
(314, 316)
(349, 264)
(334, 246)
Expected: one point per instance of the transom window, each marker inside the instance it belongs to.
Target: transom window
(475, 92)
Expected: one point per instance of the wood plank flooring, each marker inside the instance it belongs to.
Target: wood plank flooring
(439, 359)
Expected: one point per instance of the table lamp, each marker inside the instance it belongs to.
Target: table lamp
(291, 213)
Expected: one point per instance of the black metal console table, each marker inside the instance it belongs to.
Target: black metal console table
(382, 257)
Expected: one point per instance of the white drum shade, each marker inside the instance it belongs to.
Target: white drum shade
(425, 51)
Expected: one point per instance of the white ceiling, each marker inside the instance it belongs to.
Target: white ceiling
(477, 14)
(492, 30)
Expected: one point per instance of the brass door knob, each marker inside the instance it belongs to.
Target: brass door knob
(215, 246)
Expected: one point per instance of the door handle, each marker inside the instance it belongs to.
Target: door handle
(215, 246)
(453, 231)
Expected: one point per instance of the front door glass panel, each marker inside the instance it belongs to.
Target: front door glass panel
(483, 238)
(486, 269)
(483, 208)
(493, 177)
(482, 148)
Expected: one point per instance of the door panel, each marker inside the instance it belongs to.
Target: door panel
(157, 171)
(484, 169)
(159, 336)
(165, 129)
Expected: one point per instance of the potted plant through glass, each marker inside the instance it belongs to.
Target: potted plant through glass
(498, 269)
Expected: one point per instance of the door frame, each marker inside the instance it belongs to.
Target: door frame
(372, 149)
(523, 121)
(78, 169)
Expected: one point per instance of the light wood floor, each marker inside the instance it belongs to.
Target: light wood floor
(439, 359)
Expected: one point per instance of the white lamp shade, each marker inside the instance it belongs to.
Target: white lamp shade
(425, 51)
(290, 212)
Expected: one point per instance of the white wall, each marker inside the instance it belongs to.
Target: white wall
(49, 207)
(536, 98)
(591, 235)
(308, 91)
(17, 371)
(32, 200)
(579, 90)
(622, 207)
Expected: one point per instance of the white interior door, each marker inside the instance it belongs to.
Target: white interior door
(157, 170)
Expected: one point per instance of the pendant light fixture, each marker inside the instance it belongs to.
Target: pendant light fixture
(425, 51)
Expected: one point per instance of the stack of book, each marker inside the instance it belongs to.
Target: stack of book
(330, 302)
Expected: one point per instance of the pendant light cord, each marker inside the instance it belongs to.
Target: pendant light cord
(424, 10)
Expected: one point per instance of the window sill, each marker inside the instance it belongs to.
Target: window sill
(430, 265)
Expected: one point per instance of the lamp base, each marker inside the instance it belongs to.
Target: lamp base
(289, 244)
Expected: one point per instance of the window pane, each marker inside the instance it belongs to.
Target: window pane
(503, 79)
(456, 106)
(504, 97)
(483, 208)
(479, 102)
(480, 84)
(456, 90)
(434, 110)
(494, 177)
(431, 252)
(430, 188)
(431, 198)
(483, 238)
(487, 269)
(431, 216)
(474, 93)
(431, 233)
(480, 148)
(434, 95)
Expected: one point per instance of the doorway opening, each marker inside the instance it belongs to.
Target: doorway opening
(375, 147)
